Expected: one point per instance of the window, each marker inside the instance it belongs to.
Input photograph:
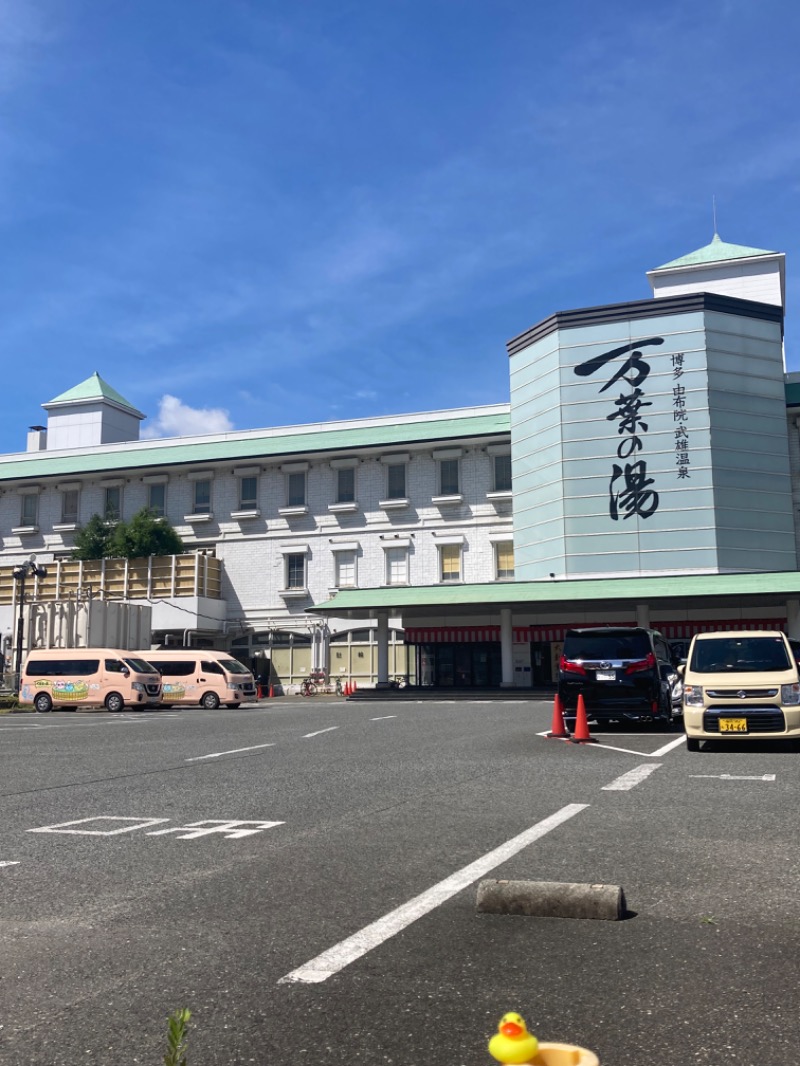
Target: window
(70, 502)
(296, 570)
(157, 499)
(202, 497)
(296, 489)
(502, 473)
(396, 481)
(113, 503)
(450, 562)
(248, 493)
(448, 477)
(29, 509)
(346, 485)
(397, 566)
(504, 561)
(346, 570)
(210, 667)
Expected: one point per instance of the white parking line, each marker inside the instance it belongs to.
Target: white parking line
(633, 777)
(384, 718)
(233, 751)
(602, 746)
(8, 862)
(336, 958)
(668, 747)
(319, 732)
(738, 777)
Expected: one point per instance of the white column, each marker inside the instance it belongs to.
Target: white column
(643, 615)
(793, 619)
(506, 648)
(383, 650)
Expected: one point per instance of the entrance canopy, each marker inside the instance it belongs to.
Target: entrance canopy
(682, 596)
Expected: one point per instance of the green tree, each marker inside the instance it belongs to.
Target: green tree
(92, 542)
(145, 534)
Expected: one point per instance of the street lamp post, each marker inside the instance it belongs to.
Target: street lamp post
(20, 574)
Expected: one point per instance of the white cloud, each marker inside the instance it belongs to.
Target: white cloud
(177, 419)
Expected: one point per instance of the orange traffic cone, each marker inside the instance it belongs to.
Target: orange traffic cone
(271, 691)
(582, 734)
(346, 689)
(355, 687)
(558, 730)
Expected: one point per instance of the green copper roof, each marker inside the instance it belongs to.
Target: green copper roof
(94, 388)
(540, 593)
(265, 444)
(716, 252)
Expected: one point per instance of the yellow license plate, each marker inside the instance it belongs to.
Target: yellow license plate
(733, 725)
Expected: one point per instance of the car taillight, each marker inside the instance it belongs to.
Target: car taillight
(641, 664)
(570, 667)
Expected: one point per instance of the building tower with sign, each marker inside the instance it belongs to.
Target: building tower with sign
(649, 438)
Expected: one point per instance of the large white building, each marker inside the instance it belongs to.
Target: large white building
(387, 545)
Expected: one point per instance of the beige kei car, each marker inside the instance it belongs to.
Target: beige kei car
(740, 684)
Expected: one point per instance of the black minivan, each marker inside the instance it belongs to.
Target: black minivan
(621, 672)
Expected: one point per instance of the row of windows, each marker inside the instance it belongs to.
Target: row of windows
(449, 484)
(397, 566)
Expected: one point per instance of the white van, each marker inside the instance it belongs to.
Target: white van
(198, 675)
(739, 685)
(88, 677)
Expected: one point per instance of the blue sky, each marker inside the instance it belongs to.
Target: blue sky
(249, 212)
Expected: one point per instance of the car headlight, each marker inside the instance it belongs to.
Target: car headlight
(693, 695)
(234, 686)
(790, 694)
(137, 686)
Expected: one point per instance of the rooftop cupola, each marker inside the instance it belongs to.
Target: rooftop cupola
(89, 414)
(729, 269)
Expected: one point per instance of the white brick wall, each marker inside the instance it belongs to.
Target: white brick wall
(254, 565)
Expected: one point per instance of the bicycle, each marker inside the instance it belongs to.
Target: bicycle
(308, 687)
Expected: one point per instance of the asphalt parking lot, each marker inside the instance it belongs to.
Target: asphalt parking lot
(302, 876)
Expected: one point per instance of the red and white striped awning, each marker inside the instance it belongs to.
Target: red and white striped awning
(553, 633)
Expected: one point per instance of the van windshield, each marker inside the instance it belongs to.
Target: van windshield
(583, 646)
(139, 666)
(739, 655)
(233, 667)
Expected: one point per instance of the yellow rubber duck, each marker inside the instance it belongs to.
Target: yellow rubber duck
(512, 1044)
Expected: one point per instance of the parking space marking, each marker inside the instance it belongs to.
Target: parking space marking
(632, 778)
(739, 777)
(383, 718)
(231, 830)
(63, 827)
(668, 747)
(319, 732)
(233, 751)
(336, 958)
(9, 862)
(602, 746)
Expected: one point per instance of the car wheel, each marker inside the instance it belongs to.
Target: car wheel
(210, 701)
(43, 703)
(114, 702)
(693, 744)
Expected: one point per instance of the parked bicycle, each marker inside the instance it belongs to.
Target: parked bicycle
(317, 682)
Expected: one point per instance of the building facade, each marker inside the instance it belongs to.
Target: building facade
(646, 470)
